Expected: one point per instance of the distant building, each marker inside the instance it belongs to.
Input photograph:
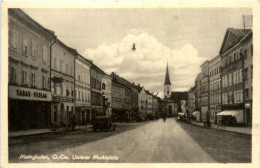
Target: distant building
(172, 100)
(82, 90)
(198, 95)
(191, 100)
(134, 101)
(96, 75)
(214, 88)
(204, 84)
(107, 94)
(142, 103)
(29, 88)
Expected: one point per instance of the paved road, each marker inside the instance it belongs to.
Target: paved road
(154, 142)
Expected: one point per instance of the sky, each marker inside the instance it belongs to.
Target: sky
(183, 37)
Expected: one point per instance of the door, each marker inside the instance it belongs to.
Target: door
(249, 117)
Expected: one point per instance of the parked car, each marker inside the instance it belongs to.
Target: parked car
(103, 123)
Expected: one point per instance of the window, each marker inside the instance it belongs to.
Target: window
(241, 78)
(232, 57)
(235, 56)
(33, 49)
(245, 54)
(246, 74)
(241, 94)
(230, 97)
(230, 79)
(103, 86)
(45, 54)
(246, 93)
(14, 39)
(13, 74)
(79, 95)
(238, 76)
(44, 82)
(234, 77)
(24, 77)
(25, 46)
(239, 53)
(33, 79)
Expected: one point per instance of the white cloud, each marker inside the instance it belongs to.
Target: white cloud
(147, 61)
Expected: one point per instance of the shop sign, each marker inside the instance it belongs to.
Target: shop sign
(62, 99)
(16, 92)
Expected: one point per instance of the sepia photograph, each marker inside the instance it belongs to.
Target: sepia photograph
(129, 85)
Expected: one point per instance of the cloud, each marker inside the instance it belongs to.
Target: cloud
(147, 64)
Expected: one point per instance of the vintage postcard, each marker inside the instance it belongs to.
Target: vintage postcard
(130, 84)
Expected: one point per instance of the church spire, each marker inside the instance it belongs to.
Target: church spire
(167, 77)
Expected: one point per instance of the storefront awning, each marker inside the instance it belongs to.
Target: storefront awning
(234, 113)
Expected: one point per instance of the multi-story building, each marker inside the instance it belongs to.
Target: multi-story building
(62, 82)
(107, 94)
(204, 84)
(118, 100)
(142, 103)
(29, 91)
(232, 52)
(248, 77)
(155, 107)
(191, 101)
(82, 90)
(149, 103)
(96, 75)
(214, 88)
(198, 94)
(134, 100)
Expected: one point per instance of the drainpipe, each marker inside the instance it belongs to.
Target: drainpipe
(55, 40)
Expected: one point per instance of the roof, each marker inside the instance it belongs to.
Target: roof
(167, 77)
(177, 96)
(238, 33)
(31, 23)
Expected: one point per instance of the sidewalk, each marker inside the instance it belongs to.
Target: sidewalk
(242, 130)
(42, 131)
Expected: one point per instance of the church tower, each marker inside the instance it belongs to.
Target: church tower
(167, 84)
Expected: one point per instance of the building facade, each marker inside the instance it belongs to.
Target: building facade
(215, 88)
(118, 101)
(232, 56)
(62, 83)
(142, 103)
(29, 91)
(96, 76)
(107, 94)
(204, 84)
(82, 90)
(191, 101)
(134, 100)
(248, 77)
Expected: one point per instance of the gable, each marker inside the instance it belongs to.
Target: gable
(230, 40)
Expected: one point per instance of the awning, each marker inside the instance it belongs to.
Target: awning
(234, 113)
